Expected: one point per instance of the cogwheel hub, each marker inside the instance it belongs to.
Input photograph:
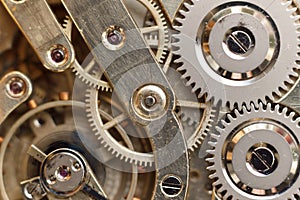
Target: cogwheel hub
(230, 49)
(228, 41)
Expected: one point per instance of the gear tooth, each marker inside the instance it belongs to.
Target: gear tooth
(117, 154)
(187, 6)
(175, 44)
(213, 144)
(292, 10)
(176, 27)
(291, 116)
(125, 158)
(212, 152)
(213, 176)
(261, 106)
(210, 168)
(276, 108)
(228, 196)
(285, 112)
(294, 74)
(180, 20)
(230, 117)
(215, 136)
(238, 113)
(287, 3)
(253, 107)
(219, 129)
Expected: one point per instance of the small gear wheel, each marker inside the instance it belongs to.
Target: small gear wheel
(255, 154)
(232, 49)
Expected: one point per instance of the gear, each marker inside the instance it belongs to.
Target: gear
(255, 154)
(157, 30)
(195, 117)
(154, 28)
(97, 116)
(230, 50)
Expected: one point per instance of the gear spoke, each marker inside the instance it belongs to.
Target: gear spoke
(191, 104)
(115, 121)
(150, 29)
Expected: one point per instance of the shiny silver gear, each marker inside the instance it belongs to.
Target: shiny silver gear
(265, 64)
(234, 168)
(196, 119)
(86, 72)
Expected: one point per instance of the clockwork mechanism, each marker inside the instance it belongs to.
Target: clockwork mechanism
(149, 99)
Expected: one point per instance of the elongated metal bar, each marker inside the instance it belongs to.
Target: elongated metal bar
(128, 69)
(45, 34)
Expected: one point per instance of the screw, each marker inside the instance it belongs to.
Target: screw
(171, 186)
(239, 42)
(16, 87)
(263, 160)
(76, 166)
(51, 179)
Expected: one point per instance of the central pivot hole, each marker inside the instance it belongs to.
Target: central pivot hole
(150, 101)
(114, 37)
(239, 41)
(16, 87)
(263, 160)
(63, 173)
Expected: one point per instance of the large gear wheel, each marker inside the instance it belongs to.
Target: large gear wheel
(156, 34)
(230, 50)
(255, 154)
(196, 118)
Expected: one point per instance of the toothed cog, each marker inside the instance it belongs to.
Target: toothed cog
(255, 154)
(231, 49)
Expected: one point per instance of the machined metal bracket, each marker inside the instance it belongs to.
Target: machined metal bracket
(44, 33)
